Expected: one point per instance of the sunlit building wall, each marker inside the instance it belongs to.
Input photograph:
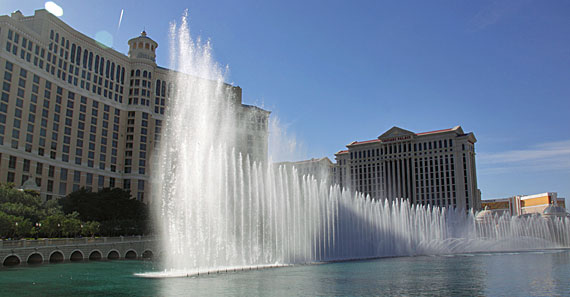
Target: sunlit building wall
(430, 168)
(524, 204)
(75, 113)
(322, 169)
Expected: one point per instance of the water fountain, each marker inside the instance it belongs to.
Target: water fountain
(218, 210)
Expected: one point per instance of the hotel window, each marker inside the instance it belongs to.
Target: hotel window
(62, 188)
(76, 176)
(90, 60)
(26, 167)
(63, 174)
(51, 171)
(12, 162)
(39, 168)
(50, 186)
(10, 178)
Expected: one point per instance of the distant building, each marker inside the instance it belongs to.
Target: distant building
(429, 168)
(520, 204)
(75, 113)
(321, 169)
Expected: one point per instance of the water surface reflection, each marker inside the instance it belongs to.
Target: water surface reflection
(539, 273)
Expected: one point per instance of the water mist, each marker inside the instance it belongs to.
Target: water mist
(216, 209)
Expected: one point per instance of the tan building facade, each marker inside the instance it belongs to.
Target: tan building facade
(74, 113)
(431, 168)
(524, 204)
(321, 169)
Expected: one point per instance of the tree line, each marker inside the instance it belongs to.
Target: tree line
(109, 212)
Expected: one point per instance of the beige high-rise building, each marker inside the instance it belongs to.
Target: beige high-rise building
(321, 169)
(74, 113)
(430, 168)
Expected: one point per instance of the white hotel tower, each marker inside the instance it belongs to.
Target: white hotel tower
(435, 168)
(74, 113)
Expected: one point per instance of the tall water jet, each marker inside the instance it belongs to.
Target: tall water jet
(200, 124)
(218, 210)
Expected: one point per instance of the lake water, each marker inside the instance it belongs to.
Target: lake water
(537, 273)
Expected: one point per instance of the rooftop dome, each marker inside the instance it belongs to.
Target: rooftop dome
(142, 47)
(30, 184)
(555, 210)
(485, 215)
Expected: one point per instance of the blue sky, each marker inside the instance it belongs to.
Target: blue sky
(338, 71)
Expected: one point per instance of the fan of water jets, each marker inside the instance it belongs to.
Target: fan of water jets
(217, 210)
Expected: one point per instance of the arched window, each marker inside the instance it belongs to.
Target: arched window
(112, 70)
(107, 68)
(146, 45)
(85, 56)
(56, 37)
(90, 60)
(158, 87)
(78, 56)
(51, 34)
(73, 53)
(96, 63)
(138, 73)
(163, 90)
(145, 73)
(123, 75)
(101, 66)
(118, 76)
(134, 45)
(140, 45)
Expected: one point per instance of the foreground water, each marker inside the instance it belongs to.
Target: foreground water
(536, 273)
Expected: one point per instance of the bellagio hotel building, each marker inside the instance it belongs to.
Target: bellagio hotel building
(74, 113)
(430, 168)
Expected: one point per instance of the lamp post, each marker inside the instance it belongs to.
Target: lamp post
(38, 226)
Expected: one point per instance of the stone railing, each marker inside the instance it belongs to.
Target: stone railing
(44, 242)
